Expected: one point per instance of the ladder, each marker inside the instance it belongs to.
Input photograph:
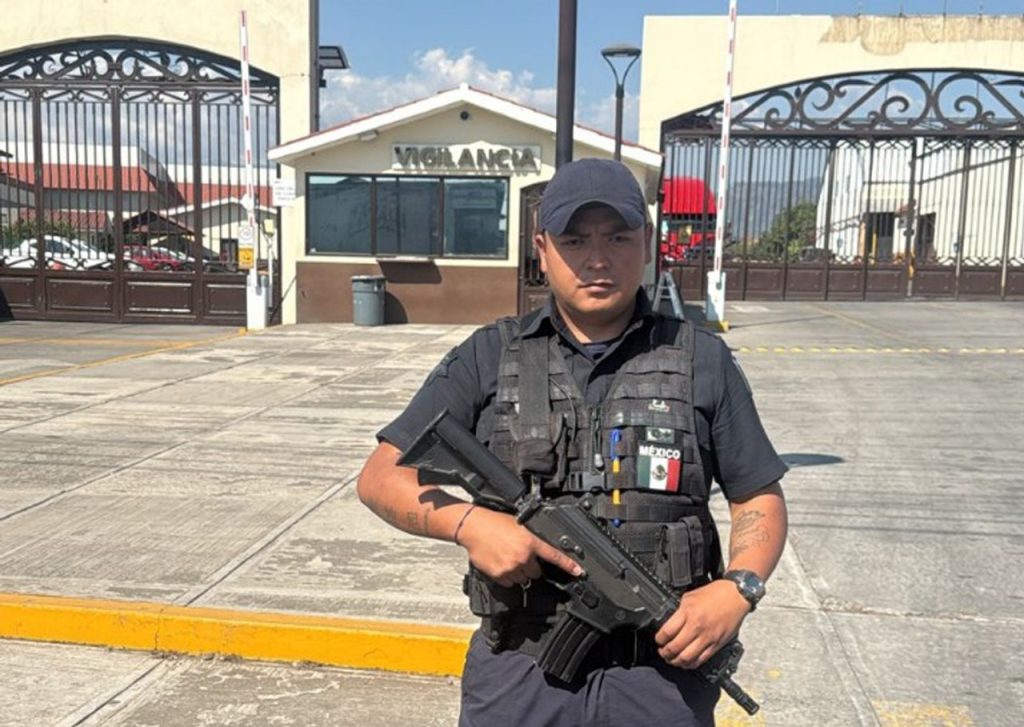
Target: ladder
(667, 290)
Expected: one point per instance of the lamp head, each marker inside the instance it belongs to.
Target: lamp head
(622, 50)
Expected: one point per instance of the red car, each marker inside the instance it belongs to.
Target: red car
(154, 258)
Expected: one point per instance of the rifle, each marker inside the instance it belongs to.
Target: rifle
(615, 591)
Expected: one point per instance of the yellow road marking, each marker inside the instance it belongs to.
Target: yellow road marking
(354, 643)
(910, 714)
(872, 350)
(180, 345)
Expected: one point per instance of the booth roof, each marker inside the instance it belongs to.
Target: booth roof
(464, 94)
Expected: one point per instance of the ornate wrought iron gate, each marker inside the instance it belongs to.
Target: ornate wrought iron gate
(121, 182)
(875, 186)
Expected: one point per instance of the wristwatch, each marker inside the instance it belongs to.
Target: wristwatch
(749, 584)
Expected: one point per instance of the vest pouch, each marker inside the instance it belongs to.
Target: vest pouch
(534, 456)
(539, 455)
(681, 552)
(480, 600)
(495, 616)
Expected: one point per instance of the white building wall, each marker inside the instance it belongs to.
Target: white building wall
(939, 192)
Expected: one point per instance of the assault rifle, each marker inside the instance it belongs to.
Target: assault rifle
(616, 590)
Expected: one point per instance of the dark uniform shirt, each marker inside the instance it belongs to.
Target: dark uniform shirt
(733, 444)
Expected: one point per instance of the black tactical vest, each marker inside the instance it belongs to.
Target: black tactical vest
(641, 441)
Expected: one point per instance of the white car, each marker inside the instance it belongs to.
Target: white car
(60, 253)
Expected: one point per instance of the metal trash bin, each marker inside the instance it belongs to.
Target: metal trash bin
(368, 293)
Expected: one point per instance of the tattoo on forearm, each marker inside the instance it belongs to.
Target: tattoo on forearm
(748, 531)
(414, 521)
(415, 525)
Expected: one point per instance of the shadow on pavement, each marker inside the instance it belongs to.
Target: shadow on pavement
(808, 459)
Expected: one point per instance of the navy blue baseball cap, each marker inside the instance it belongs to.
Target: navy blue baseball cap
(590, 181)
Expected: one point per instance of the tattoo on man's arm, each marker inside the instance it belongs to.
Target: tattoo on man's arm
(748, 531)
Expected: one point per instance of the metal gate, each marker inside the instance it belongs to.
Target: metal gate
(122, 182)
(874, 186)
(533, 284)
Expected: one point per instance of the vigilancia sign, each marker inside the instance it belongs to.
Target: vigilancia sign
(466, 157)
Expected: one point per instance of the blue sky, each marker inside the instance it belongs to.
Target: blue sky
(401, 50)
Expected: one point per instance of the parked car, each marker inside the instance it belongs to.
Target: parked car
(155, 257)
(59, 253)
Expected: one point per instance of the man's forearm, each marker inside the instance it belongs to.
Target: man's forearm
(394, 494)
(758, 533)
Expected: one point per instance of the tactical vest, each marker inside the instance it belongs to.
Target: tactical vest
(641, 441)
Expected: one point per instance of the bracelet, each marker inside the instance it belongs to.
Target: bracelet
(462, 520)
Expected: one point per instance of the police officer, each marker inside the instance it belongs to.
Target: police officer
(596, 394)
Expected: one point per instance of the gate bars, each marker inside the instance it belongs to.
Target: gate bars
(872, 186)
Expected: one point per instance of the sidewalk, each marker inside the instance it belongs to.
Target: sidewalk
(204, 472)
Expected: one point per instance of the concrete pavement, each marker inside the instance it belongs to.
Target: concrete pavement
(216, 471)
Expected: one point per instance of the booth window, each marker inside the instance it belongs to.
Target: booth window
(392, 215)
(339, 214)
(475, 217)
(408, 211)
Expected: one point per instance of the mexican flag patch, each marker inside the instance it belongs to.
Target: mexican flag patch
(658, 467)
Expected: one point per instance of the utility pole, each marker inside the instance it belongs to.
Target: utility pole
(566, 103)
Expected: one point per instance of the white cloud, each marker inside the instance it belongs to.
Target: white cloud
(600, 115)
(350, 95)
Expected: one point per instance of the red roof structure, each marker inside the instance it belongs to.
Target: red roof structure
(687, 196)
(133, 179)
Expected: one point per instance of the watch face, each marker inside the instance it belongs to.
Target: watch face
(752, 585)
(748, 583)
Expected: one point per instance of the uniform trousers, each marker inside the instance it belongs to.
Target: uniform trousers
(508, 689)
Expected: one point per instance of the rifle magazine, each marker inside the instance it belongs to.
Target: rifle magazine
(566, 646)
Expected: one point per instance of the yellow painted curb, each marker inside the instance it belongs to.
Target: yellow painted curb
(266, 636)
(717, 326)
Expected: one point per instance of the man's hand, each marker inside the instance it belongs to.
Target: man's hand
(707, 618)
(502, 549)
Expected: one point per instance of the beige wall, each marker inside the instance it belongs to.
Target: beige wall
(375, 157)
(684, 56)
(278, 44)
(278, 35)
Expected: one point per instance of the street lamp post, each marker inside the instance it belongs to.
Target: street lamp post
(620, 51)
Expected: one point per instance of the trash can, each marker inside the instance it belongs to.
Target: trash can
(368, 300)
